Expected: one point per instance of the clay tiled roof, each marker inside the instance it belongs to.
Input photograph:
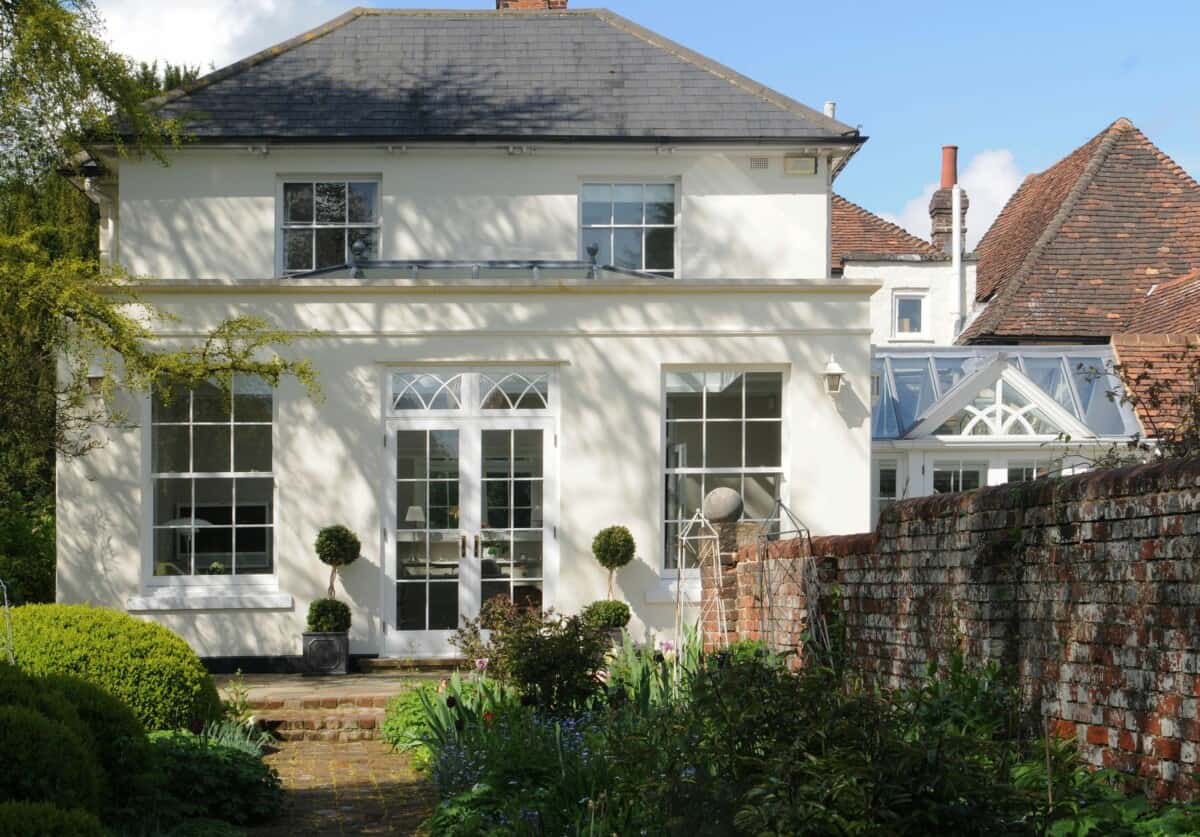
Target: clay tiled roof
(861, 233)
(1162, 365)
(1076, 249)
(1170, 308)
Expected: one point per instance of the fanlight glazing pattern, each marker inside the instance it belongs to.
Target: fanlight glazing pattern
(426, 391)
(999, 410)
(514, 391)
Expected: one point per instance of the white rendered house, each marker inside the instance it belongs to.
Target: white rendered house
(555, 273)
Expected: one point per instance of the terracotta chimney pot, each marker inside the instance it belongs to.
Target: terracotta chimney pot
(949, 166)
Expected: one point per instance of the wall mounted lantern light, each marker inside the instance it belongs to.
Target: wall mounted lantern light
(833, 376)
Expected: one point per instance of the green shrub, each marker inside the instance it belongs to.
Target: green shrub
(337, 547)
(607, 614)
(19, 689)
(45, 762)
(144, 665)
(205, 828)
(27, 555)
(551, 659)
(328, 615)
(41, 819)
(404, 723)
(213, 781)
(121, 748)
(614, 548)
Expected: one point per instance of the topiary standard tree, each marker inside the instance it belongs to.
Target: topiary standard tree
(613, 548)
(338, 547)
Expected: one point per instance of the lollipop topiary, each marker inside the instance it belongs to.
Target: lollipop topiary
(338, 547)
(613, 548)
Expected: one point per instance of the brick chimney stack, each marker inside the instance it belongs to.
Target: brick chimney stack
(941, 209)
(530, 5)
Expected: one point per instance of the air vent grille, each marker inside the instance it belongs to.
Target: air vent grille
(759, 163)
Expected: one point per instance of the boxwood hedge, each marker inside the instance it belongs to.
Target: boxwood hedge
(41, 819)
(45, 761)
(144, 665)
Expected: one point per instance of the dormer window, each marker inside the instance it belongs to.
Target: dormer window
(321, 220)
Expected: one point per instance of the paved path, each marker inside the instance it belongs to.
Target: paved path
(360, 787)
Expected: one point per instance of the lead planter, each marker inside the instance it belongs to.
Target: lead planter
(327, 652)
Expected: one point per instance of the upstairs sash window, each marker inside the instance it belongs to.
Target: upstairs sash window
(630, 225)
(323, 219)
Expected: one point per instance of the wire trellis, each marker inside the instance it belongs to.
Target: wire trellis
(699, 545)
(784, 587)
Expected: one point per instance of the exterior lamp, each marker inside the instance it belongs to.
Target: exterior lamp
(833, 376)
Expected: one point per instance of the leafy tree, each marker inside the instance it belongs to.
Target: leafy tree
(63, 90)
(66, 97)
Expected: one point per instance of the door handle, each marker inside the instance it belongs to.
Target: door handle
(462, 546)
(478, 538)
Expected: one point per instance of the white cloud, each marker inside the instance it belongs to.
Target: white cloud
(208, 32)
(989, 180)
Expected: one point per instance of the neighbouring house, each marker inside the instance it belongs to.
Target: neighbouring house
(555, 271)
(951, 418)
(927, 286)
(1102, 247)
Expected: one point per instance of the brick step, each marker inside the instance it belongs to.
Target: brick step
(344, 724)
(270, 703)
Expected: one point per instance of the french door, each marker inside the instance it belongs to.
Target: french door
(469, 514)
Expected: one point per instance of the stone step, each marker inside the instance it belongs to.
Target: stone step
(414, 665)
(353, 723)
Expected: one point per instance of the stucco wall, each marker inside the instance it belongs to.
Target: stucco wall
(211, 214)
(609, 348)
(936, 279)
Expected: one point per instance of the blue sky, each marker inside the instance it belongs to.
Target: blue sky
(1026, 81)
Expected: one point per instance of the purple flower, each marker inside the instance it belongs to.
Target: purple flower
(666, 646)
(481, 665)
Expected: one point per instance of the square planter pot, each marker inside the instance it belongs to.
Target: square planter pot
(327, 652)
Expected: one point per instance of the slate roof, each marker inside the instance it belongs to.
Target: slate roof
(860, 233)
(1161, 364)
(388, 74)
(1077, 248)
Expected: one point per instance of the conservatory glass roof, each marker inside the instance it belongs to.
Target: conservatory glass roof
(997, 391)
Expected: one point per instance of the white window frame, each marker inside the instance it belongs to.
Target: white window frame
(472, 391)
(877, 498)
(204, 592)
(959, 466)
(304, 177)
(919, 294)
(608, 180)
(692, 574)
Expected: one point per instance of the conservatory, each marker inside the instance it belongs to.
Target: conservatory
(962, 417)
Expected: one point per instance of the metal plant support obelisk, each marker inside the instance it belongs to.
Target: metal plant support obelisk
(786, 585)
(696, 545)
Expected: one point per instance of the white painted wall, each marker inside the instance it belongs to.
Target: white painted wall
(211, 214)
(610, 346)
(934, 279)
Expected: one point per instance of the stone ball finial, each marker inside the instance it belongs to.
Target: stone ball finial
(723, 505)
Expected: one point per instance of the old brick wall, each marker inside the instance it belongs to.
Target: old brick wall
(1086, 587)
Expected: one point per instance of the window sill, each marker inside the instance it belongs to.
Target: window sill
(668, 587)
(201, 598)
